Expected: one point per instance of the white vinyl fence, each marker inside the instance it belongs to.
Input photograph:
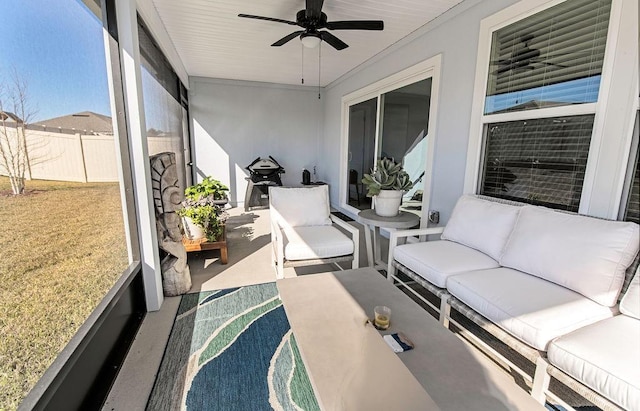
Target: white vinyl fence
(80, 157)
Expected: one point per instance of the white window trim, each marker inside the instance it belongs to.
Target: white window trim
(429, 68)
(614, 111)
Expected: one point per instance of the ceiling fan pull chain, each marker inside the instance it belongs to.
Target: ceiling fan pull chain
(319, 65)
(302, 46)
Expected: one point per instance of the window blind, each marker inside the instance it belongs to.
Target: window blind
(539, 161)
(554, 57)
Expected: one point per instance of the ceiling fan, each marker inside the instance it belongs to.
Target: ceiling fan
(312, 20)
(523, 58)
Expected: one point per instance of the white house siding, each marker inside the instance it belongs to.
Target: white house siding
(234, 122)
(455, 36)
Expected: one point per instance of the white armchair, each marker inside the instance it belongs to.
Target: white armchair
(303, 231)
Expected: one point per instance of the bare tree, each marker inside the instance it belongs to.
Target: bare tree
(15, 115)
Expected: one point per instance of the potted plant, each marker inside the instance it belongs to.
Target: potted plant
(208, 188)
(202, 210)
(386, 184)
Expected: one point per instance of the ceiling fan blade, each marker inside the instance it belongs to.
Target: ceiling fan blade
(550, 64)
(314, 9)
(500, 62)
(503, 69)
(333, 41)
(250, 16)
(356, 25)
(287, 39)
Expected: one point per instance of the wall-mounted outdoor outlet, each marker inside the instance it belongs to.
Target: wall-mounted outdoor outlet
(434, 216)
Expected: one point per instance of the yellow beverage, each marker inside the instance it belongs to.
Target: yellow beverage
(381, 321)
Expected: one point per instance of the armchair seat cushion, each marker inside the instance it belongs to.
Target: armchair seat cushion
(436, 260)
(313, 242)
(605, 356)
(531, 309)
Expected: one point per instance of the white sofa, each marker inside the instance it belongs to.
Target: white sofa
(529, 275)
(604, 356)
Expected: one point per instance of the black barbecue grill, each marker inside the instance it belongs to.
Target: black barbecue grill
(263, 173)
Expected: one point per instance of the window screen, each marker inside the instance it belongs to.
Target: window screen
(551, 58)
(539, 161)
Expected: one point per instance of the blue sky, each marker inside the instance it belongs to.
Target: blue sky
(57, 47)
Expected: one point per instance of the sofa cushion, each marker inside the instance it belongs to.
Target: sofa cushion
(605, 356)
(436, 260)
(531, 309)
(304, 243)
(630, 304)
(295, 207)
(481, 224)
(585, 254)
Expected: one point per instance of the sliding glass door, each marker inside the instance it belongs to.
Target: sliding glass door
(362, 136)
(390, 119)
(403, 133)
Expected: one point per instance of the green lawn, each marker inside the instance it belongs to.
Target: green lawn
(63, 247)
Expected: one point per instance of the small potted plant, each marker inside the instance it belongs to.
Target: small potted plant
(202, 210)
(387, 183)
(208, 188)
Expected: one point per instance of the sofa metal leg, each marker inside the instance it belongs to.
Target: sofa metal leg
(541, 380)
(445, 310)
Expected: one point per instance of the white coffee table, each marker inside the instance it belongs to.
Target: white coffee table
(352, 368)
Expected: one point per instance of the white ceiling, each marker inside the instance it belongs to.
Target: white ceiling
(212, 41)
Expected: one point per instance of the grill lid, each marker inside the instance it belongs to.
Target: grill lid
(265, 166)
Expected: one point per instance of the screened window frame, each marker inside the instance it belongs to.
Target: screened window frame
(609, 95)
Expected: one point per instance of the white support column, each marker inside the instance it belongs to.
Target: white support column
(132, 85)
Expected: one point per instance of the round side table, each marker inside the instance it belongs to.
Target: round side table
(373, 222)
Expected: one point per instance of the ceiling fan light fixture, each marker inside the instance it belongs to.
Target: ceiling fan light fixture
(310, 40)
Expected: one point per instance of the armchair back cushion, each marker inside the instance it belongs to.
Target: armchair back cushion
(296, 207)
(585, 254)
(481, 224)
(630, 304)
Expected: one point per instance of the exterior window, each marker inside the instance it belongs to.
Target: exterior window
(632, 207)
(633, 202)
(553, 58)
(542, 161)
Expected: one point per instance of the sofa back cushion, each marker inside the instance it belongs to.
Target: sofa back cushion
(630, 304)
(481, 224)
(585, 254)
(296, 207)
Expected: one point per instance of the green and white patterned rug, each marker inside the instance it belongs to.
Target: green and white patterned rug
(232, 349)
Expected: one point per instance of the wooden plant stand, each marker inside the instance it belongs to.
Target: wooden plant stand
(204, 245)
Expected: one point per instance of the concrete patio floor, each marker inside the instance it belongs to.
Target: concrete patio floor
(249, 243)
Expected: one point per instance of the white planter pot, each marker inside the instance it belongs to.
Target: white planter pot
(191, 230)
(387, 203)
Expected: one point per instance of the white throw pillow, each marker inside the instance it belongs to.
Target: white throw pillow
(297, 207)
(630, 304)
(585, 254)
(481, 224)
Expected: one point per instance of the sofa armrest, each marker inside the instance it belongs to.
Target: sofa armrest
(396, 235)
